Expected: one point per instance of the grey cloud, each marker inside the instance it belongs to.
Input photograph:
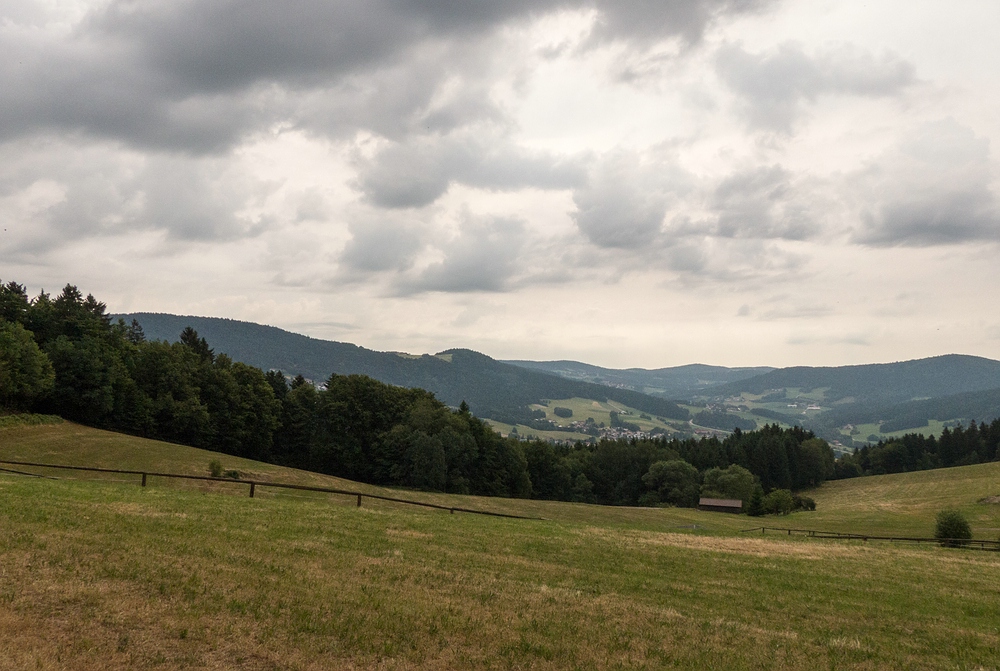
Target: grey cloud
(199, 75)
(728, 260)
(54, 196)
(798, 311)
(646, 21)
(417, 173)
(761, 202)
(483, 257)
(774, 86)
(82, 85)
(934, 188)
(380, 245)
(859, 339)
(102, 191)
(190, 202)
(626, 199)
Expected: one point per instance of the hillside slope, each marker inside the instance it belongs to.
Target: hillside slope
(490, 387)
(897, 504)
(885, 383)
(108, 575)
(674, 382)
(969, 406)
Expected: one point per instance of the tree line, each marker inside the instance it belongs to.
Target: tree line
(958, 446)
(63, 355)
(679, 471)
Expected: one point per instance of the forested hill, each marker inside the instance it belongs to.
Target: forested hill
(674, 382)
(490, 387)
(885, 383)
(914, 415)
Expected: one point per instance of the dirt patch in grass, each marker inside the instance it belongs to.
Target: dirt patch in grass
(758, 547)
(991, 500)
(140, 510)
(407, 533)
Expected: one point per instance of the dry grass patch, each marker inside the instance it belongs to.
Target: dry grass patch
(800, 547)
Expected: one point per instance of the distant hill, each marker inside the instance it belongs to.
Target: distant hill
(968, 406)
(676, 382)
(885, 383)
(491, 388)
(900, 395)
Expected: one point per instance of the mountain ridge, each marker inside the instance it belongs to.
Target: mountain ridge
(900, 394)
(490, 387)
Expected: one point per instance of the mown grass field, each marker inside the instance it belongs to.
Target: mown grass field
(97, 574)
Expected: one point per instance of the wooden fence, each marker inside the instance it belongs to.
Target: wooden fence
(254, 484)
(973, 543)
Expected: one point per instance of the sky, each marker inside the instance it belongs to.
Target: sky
(629, 183)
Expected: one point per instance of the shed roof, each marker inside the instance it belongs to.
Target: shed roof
(724, 503)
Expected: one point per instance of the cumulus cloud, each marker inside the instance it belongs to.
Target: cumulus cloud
(482, 257)
(773, 87)
(57, 193)
(381, 244)
(933, 188)
(626, 197)
(762, 202)
(195, 200)
(200, 75)
(418, 172)
(645, 22)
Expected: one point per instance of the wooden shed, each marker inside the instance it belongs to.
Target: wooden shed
(721, 505)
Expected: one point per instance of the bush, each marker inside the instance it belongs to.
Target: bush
(779, 502)
(804, 502)
(952, 528)
(215, 468)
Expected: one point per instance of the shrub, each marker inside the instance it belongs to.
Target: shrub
(779, 502)
(952, 528)
(215, 468)
(649, 499)
(804, 502)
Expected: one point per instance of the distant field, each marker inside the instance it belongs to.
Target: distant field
(601, 411)
(801, 400)
(530, 433)
(107, 575)
(583, 408)
(932, 428)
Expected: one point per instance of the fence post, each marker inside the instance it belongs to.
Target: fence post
(252, 486)
(143, 479)
(452, 511)
(359, 500)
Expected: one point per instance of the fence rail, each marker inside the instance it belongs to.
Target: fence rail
(973, 543)
(254, 484)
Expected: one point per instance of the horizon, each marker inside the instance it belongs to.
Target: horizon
(502, 360)
(626, 184)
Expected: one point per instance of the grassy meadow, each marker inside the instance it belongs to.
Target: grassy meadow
(100, 574)
(599, 411)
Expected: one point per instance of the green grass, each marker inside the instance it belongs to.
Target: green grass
(26, 419)
(97, 575)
